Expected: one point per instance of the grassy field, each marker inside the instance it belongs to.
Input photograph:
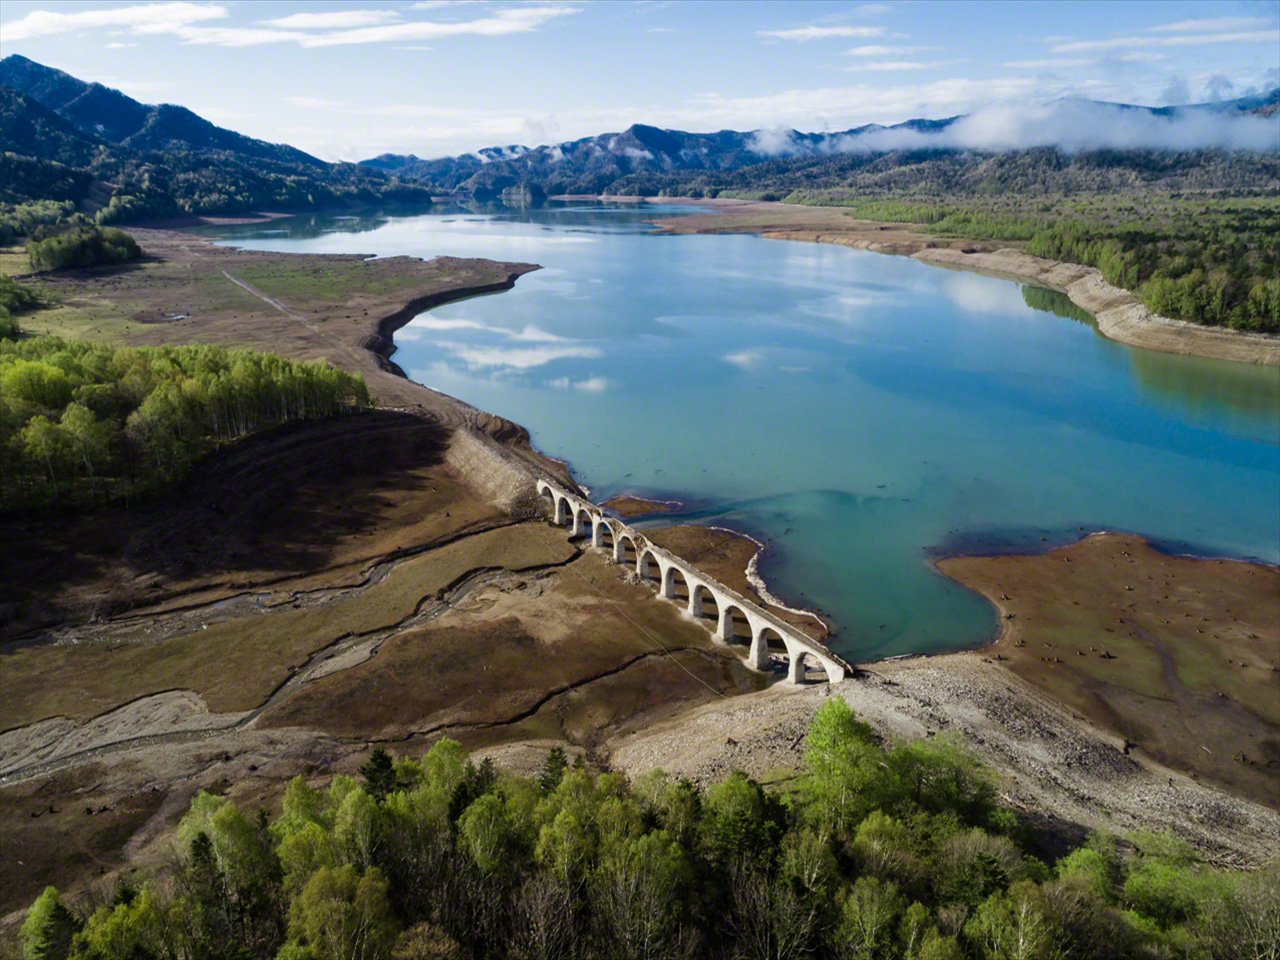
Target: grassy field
(13, 260)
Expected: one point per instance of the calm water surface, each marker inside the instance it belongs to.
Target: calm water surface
(858, 412)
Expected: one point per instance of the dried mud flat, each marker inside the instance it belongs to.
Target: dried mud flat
(1178, 655)
(1054, 767)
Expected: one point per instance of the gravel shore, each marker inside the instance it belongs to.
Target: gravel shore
(1054, 766)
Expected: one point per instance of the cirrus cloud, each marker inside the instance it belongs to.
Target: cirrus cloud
(802, 34)
(190, 23)
(141, 18)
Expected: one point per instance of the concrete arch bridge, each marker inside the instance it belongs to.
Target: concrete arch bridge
(730, 616)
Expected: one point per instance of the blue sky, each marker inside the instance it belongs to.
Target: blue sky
(350, 80)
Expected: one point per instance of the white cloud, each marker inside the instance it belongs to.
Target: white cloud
(328, 29)
(120, 46)
(803, 34)
(501, 23)
(873, 9)
(872, 50)
(896, 66)
(1191, 40)
(590, 385)
(1050, 63)
(336, 20)
(976, 294)
(1213, 24)
(661, 30)
(141, 18)
(534, 334)
(746, 359)
(519, 358)
(438, 323)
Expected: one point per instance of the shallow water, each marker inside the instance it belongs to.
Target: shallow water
(856, 411)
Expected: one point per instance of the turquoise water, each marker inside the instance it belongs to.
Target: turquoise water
(858, 412)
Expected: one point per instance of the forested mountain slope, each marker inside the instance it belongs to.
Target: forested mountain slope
(91, 149)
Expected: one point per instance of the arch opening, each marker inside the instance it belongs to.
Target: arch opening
(583, 523)
(564, 512)
(773, 652)
(649, 569)
(807, 668)
(627, 553)
(703, 606)
(736, 627)
(604, 538)
(675, 587)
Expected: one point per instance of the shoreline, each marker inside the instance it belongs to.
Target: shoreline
(381, 344)
(1120, 315)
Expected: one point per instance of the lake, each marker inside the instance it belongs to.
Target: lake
(858, 413)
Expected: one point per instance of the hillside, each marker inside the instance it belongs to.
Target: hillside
(947, 155)
(111, 157)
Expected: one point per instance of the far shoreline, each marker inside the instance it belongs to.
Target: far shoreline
(1120, 315)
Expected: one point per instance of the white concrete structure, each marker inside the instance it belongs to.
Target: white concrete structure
(663, 568)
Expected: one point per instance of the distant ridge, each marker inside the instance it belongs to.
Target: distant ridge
(108, 114)
(110, 156)
(644, 157)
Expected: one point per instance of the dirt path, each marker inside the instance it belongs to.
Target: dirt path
(272, 301)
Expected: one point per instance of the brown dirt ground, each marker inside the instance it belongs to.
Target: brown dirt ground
(1179, 655)
(516, 658)
(51, 838)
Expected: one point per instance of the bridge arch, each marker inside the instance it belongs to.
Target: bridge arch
(766, 644)
(704, 604)
(603, 535)
(626, 551)
(648, 566)
(803, 663)
(548, 498)
(735, 625)
(675, 584)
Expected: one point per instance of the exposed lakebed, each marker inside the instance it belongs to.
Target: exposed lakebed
(858, 412)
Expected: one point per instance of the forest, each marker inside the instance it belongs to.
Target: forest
(79, 244)
(1215, 264)
(82, 423)
(899, 852)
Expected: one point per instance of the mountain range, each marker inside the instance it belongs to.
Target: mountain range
(640, 157)
(92, 147)
(84, 146)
